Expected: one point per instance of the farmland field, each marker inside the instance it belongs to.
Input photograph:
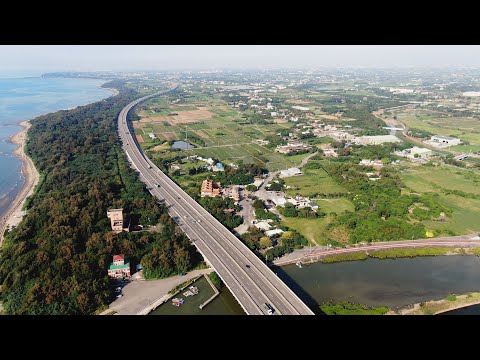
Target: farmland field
(215, 132)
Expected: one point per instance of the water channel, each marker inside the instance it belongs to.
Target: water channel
(390, 282)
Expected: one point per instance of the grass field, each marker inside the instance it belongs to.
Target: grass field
(420, 179)
(464, 128)
(313, 229)
(334, 205)
(465, 218)
(465, 148)
(466, 211)
(313, 181)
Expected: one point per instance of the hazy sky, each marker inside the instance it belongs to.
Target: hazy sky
(38, 59)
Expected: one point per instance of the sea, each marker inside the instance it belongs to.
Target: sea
(24, 98)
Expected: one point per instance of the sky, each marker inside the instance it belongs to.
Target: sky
(37, 59)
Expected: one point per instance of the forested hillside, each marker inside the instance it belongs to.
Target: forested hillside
(56, 260)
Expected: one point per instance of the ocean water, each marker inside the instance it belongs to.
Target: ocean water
(25, 98)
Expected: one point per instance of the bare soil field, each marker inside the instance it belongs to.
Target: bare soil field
(169, 135)
(280, 121)
(160, 147)
(183, 117)
(329, 117)
(139, 138)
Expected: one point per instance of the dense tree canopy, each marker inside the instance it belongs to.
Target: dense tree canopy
(55, 261)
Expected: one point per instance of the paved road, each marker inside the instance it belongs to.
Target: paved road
(472, 240)
(248, 214)
(251, 282)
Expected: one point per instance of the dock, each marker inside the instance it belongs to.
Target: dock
(213, 296)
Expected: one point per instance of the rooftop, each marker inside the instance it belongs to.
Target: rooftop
(444, 137)
(118, 257)
(116, 267)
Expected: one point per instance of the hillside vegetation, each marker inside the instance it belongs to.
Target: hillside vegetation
(55, 261)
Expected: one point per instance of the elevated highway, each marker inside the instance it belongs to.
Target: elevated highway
(251, 282)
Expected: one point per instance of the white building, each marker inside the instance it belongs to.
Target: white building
(262, 225)
(420, 152)
(152, 136)
(290, 172)
(302, 108)
(445, 140)
(273, 232)
(367, 162)
(377, 140)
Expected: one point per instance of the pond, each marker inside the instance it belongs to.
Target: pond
(182, 145)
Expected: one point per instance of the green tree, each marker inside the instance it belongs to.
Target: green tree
(265, 242)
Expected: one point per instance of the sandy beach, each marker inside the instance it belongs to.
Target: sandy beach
(14, 213)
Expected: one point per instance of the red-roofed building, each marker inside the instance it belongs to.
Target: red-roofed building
(118, 268)
(118, 259)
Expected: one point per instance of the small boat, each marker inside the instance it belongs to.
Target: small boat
(299, 264)
(177, 301)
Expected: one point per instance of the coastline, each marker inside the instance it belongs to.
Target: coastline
(14, 214)
(114, 91)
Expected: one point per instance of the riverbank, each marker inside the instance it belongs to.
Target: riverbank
(14, 214)
(435, 307)
(406, 248)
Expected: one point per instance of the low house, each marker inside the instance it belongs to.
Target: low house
(273, 232)
(232, 192)
(218, 167)
(291, 147)
(377, 139)
(301, 108)
(374, 163)
(445, 141)
(277, 200)
(313, 205)
(329, 152)
(118, 268)
(415, 152)
(262, 225)
(290, 172)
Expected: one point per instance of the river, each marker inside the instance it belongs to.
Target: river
(25, 98)
(390, 282)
